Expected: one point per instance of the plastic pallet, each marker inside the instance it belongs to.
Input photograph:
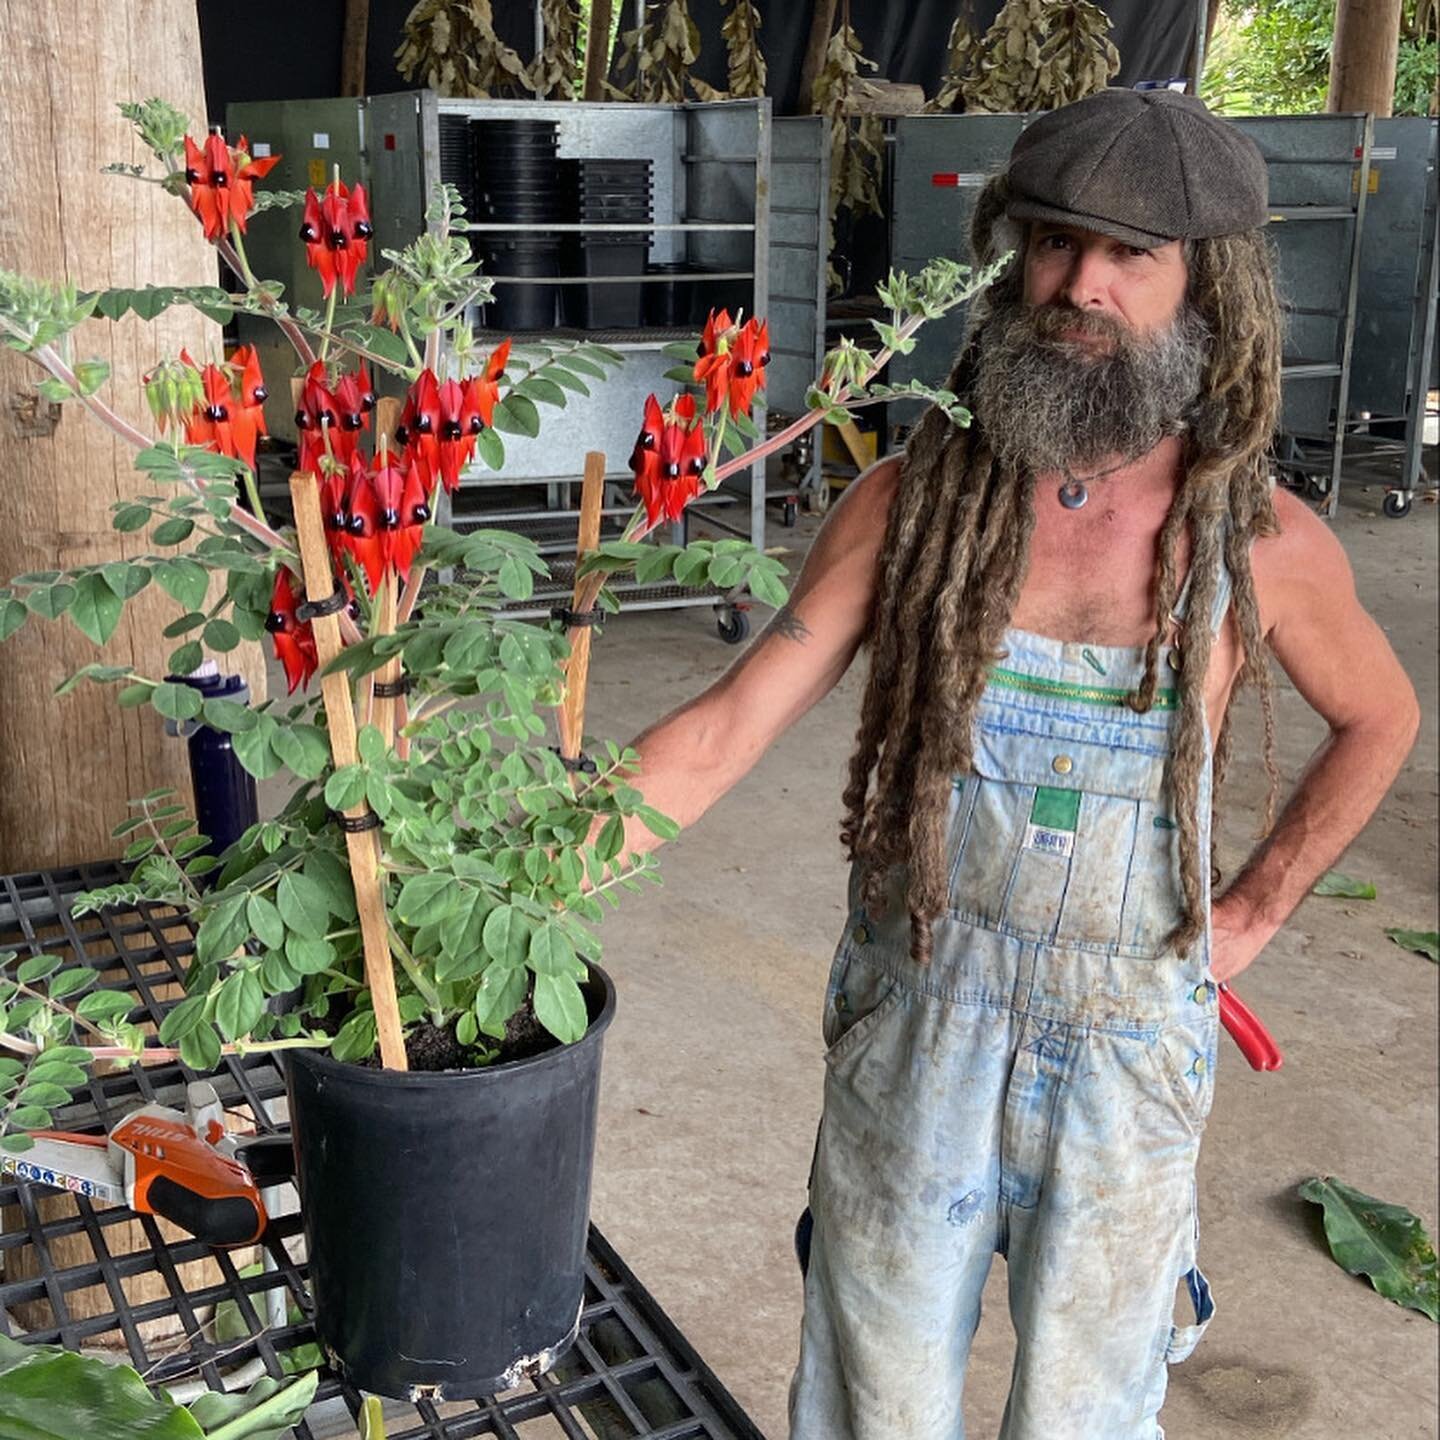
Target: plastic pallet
(631, 1375)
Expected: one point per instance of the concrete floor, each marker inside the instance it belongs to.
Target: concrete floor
(713, 1066)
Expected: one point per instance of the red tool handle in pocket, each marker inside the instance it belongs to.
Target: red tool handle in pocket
(1248, 1033)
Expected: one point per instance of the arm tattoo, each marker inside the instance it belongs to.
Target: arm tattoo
(786, 623)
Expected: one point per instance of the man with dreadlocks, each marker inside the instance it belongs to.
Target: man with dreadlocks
(1059, 601)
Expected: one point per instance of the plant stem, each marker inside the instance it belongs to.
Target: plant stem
(252, 493)
(329, 320)
(47, 359)
(291, 331)
(417, 978)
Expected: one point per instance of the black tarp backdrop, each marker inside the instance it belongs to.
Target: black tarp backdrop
(282, 50)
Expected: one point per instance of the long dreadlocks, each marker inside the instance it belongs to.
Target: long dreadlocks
(955, 556)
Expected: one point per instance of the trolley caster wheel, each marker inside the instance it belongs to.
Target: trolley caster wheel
(817, 500)
(733, 626)
(790, 514)
(1316, 489)
(1396, 504)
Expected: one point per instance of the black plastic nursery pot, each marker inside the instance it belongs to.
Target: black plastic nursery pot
(446, 1213)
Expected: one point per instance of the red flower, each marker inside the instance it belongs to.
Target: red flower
(294, 642)
(354, 400)
(331, 419)
(482, 392)
(222, 181)
(712, 368)
(336, 232)
(231, 417)
(669, 459)
(400, 494)
(732, 362)
(750, 354)
(362, 509)
(333, 485)
(419, 427)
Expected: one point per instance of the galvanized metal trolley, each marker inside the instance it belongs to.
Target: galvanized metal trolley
(1353, 224)
(711, 172)
(630, 1375)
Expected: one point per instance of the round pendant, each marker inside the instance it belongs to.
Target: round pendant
(1073, 494)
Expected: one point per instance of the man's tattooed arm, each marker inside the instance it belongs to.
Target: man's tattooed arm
(786, 623)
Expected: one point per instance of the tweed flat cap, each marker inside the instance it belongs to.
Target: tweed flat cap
(1145, 166)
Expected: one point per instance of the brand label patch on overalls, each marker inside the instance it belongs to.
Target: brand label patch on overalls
(1053, 820)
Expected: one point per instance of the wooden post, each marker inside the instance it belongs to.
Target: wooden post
(363, 847)
(1363, 57)
(577, 670)
(353, 44)
(822, 23)
(597, 49)
(68, 767)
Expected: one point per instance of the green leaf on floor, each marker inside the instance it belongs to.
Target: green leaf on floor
(1422, 942)
(1386, 1243)
(47, 1393)
(1343, 886)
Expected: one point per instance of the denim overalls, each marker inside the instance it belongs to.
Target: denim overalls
(1038, 1090)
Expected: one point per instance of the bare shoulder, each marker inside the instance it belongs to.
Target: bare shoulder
(1302, 564)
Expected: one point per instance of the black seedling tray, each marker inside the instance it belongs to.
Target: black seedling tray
(630, 1376)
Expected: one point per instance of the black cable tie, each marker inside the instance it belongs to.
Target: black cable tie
(333, 604)
(570, 619)
(578, 764)
(356, 824)
(392, 689)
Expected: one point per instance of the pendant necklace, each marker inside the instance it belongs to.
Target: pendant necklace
(1074, 492)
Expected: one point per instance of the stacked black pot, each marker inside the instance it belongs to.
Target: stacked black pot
(518, 181)
(609, 193)
(457, 159)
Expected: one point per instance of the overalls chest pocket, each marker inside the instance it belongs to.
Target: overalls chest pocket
(1064, 839)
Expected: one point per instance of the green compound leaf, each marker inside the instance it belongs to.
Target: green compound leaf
(1386, 1243)
(96, 608)
(1422, 942)
(560, 1007)
(1343, 886)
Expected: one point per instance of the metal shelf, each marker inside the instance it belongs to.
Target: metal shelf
(601, 227)
(630, 1375)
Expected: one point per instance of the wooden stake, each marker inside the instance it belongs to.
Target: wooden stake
(577, 669)
(363, 847)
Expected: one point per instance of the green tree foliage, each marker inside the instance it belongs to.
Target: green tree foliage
(1272, 57)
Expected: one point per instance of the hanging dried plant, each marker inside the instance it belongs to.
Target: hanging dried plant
(451, 46)
(963, 61)
(656, 58)
(555, 75)
(1040, 54)
(742, 47)
(856, 139)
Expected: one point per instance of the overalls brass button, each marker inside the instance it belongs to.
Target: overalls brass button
(841, 1002)
(1062, 764)
(861, 935)
(1199, 1067)
(1202, 994)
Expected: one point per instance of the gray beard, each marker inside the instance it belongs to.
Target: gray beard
(1046, 404)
